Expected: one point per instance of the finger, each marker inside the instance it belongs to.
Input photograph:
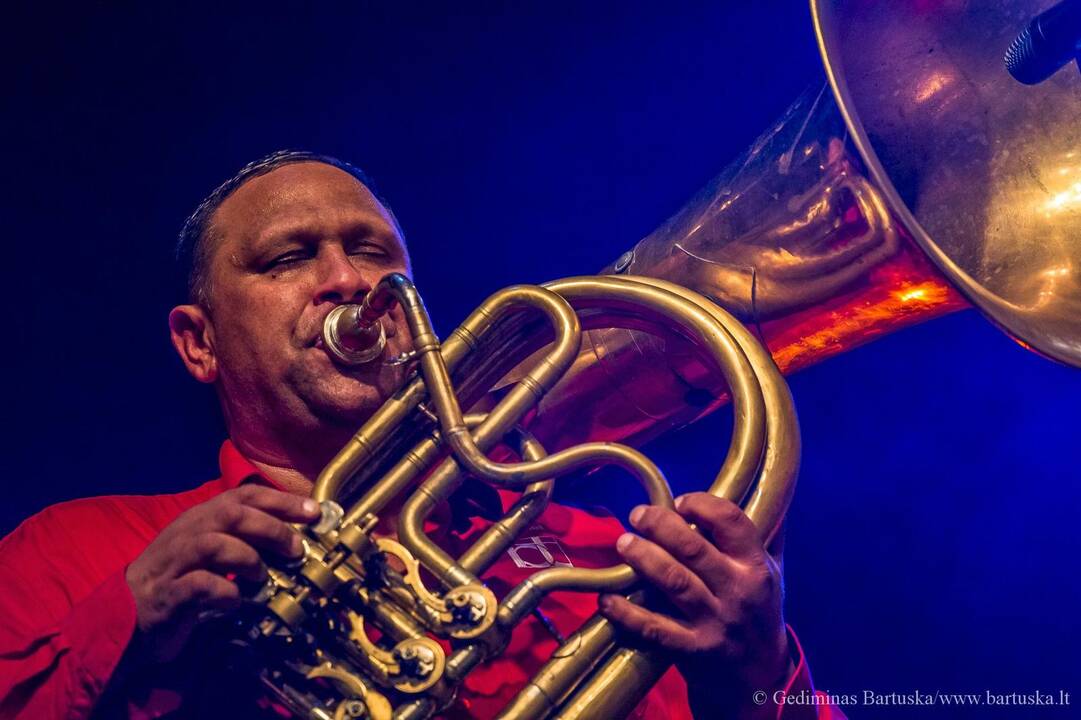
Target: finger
(650, 626)
(672, 533)
(731, 531)
(282, 505)
(257, 528)
(203, 590)
(224, 554)
(657, 567)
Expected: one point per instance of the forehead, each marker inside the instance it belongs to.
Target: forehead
(307, 194)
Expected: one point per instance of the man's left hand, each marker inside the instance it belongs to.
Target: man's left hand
(728, 632)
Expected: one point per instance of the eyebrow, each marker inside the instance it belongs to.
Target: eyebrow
(302, 230)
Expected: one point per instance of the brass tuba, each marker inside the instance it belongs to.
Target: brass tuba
(918, 179)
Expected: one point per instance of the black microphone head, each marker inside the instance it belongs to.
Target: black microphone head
(1046, 44)
(1022, 60)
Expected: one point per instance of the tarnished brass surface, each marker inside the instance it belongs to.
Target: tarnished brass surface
(434, 618)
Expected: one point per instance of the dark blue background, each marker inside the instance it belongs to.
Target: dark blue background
(934, 538)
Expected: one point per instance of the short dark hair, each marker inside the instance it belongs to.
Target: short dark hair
(193, 244)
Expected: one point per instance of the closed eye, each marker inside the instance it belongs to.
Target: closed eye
(286, 259)
(369, 249)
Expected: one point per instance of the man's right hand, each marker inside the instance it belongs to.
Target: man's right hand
(189, 566)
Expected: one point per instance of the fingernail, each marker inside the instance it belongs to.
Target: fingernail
(624, 542)
(310, 506)
(297, 546)
(680, 502)
(637, 514)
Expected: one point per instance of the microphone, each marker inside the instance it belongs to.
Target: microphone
(1051, 40)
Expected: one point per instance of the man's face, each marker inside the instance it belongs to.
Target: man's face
(286, 249)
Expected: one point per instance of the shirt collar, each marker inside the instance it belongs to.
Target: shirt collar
(237, 469)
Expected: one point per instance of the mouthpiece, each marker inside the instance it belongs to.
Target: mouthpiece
(353, 334)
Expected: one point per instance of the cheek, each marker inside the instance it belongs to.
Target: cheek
(258, 324)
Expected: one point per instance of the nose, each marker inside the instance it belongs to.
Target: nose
(339, 280)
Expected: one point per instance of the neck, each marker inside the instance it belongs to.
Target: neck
(294, 468)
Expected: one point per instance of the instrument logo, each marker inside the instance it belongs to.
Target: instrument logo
(539, 551)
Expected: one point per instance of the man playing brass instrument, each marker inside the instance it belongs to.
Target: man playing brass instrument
(106, 596)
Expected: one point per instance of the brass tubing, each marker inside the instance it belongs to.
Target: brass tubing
(537, 382)
(574, 659)
(749, 433)
(780, 464)
(463, 660)
(492, 542)
(444, 480)
(388, 418)
(419, 709)
(535, 497)
(392, 620)
(506, 413)
(466, 450)
(462, 340)
(617, 686)
(397, 479)
(737, 473)
(524, 597)
(383, 423)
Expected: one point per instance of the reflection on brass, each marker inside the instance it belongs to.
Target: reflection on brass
(358, 630)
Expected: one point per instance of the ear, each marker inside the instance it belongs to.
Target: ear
(192, 333)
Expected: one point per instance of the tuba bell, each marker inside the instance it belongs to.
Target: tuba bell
(918, 179)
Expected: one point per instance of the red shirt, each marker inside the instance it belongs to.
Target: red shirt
(67, 614)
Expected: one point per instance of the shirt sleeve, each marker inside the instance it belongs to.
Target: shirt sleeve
(61, 636)
(799, 700)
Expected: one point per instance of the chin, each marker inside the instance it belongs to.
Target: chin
(352, 411)
(347, 401)
(344, 398)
